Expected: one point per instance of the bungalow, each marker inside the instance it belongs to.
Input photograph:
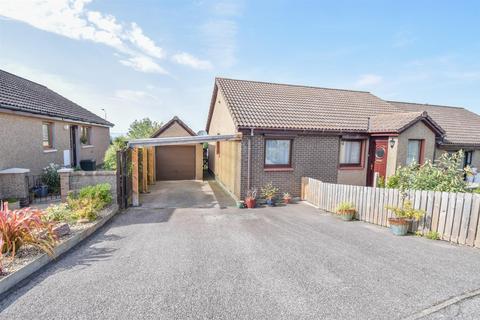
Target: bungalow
(38, 126)
(340, 136)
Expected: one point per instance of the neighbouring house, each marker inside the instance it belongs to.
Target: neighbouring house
(340, 136)
(38, 127)
(178, 162)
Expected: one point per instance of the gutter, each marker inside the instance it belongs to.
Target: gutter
(46, 115)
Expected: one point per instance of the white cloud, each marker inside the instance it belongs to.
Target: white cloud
(71, 19)
(368, 80)
(143, 64)
(189, 60)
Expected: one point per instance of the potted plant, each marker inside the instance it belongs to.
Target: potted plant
(268, 193)
(240, 204)
(250, 199)
(346, 210)
(403, 217)
(287, 198)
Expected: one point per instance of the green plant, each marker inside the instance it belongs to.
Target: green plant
(51, 177)
(10, 200)
(143, 128)
(83, 139)
(287, 195)
(345, 206)
(110, 159)
(100, 195)
(57, 213)
(251, 194)
(443, 175)
(381, 182)
(83, 208)
(24, 227)
(406, 211)
(269, 191)
(432, 235)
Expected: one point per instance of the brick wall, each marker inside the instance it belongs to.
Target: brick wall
(312, 156)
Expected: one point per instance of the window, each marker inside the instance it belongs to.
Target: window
(468, 158)
(85, 135)
(47, 135)
(351, 153)
(278, 153)
(414, 151)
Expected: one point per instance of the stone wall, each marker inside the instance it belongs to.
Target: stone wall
(14, 183)
(75, 180)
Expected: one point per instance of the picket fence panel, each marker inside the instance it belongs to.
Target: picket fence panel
(455, 216)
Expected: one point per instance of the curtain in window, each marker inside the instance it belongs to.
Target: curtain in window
(350, 152)
(277, 152)
(413, 151)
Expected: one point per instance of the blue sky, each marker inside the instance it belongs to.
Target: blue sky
(158, 59)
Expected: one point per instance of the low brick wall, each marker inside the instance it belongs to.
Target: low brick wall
(14, 183)
(75, 180)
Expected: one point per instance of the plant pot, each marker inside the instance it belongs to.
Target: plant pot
(240, 204)
(287, 200)
(399, 226)
(270, 203)
(251, 203)
(346, 215)
(41, 191)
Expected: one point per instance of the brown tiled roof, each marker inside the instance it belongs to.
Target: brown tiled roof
(398, 122)
(19, 94)
(283, 106)
(170, 123)
(462, 127)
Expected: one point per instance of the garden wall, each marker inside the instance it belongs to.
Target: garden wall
(75, 180)
(455, 216)
(14, 183)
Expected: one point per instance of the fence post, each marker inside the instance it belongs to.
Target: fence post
(64, 182)
(302, 189)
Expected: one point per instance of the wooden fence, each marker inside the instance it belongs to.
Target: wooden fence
(455, 216)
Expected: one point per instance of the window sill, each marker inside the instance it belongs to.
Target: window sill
(277, 169)
(359, 168)
(87, 146)
(49, 150)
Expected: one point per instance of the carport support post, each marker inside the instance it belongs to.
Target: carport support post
(144, 170)
(135, 176)
(151, 165)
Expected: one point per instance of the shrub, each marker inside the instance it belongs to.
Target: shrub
(51, 177)
(407, 211)
(56, 213)
(443, 175)
(432, 235)
(381, 182)
(269, 191)
(83, 208)
(110, 160)
(24, 227)
(89, 200)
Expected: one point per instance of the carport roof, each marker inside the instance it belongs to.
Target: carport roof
(170, 141)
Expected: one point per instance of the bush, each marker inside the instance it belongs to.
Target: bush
(89, 200)
(110, 160)
(57, 213)
(24, 227)
(432, 235)
(51, 177)
(443, 175)
(82, 208)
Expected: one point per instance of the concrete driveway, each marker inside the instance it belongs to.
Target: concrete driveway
(269, 263)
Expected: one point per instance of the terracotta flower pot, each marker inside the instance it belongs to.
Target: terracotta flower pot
(346, 215)
(287, 200)
(399, 226)
(251, 203)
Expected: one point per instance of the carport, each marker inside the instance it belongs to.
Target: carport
(145, 156)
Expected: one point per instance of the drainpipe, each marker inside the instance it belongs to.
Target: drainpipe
(249, 160)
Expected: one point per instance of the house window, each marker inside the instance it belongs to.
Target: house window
(278, 153)
(47, 135)
(468, 158)
(85, 135)
(414, 152)
(351, 153)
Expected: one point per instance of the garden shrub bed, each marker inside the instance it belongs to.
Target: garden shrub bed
(27, 234)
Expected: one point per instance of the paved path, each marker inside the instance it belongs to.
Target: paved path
(269, 263)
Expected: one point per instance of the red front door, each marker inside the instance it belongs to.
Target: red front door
(377, 160)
